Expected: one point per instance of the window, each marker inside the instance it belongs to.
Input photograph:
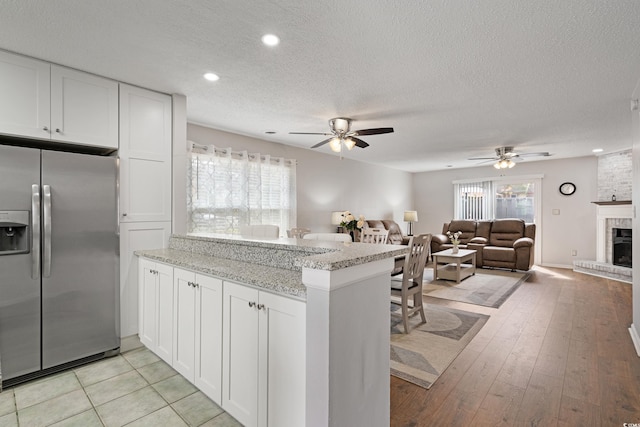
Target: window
(228, 189)
(514, 197)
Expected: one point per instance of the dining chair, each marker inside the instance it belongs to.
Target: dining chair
(409, 284)
(335, 237)
(374, 235)
(298, 232)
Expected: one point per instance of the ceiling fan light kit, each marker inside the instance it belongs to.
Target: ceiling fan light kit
(504, 164)
(343, 135)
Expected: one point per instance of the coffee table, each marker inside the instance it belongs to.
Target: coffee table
(450, 266)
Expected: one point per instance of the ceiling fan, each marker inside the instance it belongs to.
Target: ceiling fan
(505, 156)
(341, 134)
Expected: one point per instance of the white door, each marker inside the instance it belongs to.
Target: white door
(208, 366)
(240, 353)
(135, 237)
(282, 361)
(184, 283)
(25, 101)
(84, 108)
(145, 155)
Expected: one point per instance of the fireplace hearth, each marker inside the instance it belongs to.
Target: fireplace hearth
(621, 247)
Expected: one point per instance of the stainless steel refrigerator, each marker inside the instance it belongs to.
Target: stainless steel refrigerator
(59, 280)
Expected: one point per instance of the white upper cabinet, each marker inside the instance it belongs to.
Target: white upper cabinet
(84, 108)
(145, 155)
(44, 101)
(25, 96)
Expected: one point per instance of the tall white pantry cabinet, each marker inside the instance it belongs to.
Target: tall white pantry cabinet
(145, 188)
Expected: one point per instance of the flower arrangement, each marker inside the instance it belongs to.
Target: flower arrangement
(350, 222)
(454, 237)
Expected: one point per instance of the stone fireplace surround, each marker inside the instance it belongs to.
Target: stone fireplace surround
(609, 215)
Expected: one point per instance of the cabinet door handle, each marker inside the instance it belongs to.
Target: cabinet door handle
(124, 214)
(46, 129)
(58, 130)
(260, 306)
(252, 304)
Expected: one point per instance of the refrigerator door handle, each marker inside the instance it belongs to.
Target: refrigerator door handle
(46, 250)
(35, 231)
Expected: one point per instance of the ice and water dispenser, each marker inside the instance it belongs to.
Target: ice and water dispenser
(14, 232)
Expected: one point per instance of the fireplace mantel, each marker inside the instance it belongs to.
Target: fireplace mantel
(613, 202)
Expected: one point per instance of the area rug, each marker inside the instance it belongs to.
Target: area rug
(423, 354)
(489, 288)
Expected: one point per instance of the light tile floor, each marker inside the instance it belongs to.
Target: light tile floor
(135, 388)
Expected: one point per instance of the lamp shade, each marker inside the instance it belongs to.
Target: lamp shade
(411, 216)
(336, 217)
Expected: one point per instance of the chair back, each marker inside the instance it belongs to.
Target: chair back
(416, 259)
(260, 230)
(298, 232)
(374, 235)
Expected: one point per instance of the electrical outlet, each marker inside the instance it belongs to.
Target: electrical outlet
(574, 252)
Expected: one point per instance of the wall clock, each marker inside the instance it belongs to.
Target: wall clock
(567, 188)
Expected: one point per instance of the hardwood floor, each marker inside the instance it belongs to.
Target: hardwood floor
(557, 353)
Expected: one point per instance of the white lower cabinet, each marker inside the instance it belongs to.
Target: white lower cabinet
(263, 357)
(197, 353)
(242, 347)
(156, 308)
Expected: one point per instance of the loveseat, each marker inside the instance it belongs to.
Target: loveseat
(395, 234)
(395, 238)
(502, 243)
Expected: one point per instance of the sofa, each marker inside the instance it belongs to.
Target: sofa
(500, 243)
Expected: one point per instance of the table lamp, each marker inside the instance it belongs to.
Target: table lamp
(410, 217)
(336, 219)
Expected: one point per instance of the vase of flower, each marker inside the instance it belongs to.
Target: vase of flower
(455, 241)
(349, 222)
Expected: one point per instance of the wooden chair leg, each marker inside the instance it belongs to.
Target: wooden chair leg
(405, 314)
(417, 302)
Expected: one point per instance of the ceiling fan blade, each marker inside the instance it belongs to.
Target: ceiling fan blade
(543, 154)
(359, 143)
(374, 131)
(483, 158)
(309, 133)
(321, 143)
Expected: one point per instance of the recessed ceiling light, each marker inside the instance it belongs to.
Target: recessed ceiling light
(270, 40)
(597, 150)
(212, 77)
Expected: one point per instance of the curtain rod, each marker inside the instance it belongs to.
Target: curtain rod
(207, 148)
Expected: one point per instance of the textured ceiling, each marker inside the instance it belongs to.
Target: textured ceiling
(456, 79)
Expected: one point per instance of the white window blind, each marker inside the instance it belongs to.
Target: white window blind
(473, 200)
(228, 189)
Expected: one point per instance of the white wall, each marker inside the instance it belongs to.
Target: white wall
(573, 228)
(324, 182)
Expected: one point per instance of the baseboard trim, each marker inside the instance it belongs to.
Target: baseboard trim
(635, 338)
(129, 343)
(556, 266)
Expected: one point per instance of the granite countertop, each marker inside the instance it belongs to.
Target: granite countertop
(274, 279)
(272, 264)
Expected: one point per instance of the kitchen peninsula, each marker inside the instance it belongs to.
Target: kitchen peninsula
(278, 332)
